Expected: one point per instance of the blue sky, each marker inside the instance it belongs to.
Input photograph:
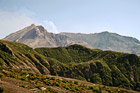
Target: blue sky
(78, 16)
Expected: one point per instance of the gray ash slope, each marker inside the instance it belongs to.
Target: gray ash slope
(37, 36)
(108, 41)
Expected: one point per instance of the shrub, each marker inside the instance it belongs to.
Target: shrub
(66, 87)
(85, 86)
(58, 80)
(70, 81)
(1, 75)
(7, 73)
(22, 85)
(52, 90)
(1, 90)
(82, 88)
(52, 78)
(64, 81)
(39, 77)
(56, 84)
(13, 75)
(11, 70)
(44, 77)
(109, 90)
(1, 62)
(24, 78)
(49, 83)
(95, 78)
(80, 78)
(76, 82)
(32, 77)
(91, 87)
(77, 89)
(96, 89)
(23, 72)
(71, 84)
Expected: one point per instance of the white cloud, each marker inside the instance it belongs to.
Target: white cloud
(13, 21)
(50, 25)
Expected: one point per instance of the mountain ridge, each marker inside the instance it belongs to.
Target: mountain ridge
(108, 41)
(37, 36)
(100, 33)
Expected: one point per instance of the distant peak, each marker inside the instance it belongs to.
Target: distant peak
(33, 25)
(41, 28)
(105, 32)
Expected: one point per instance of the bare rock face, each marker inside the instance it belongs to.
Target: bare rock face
(37, 36)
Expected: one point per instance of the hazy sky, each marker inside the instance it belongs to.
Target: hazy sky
(78, 16)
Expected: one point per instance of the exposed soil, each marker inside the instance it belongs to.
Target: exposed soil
(12, 85)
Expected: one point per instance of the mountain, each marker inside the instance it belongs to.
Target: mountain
(37, 36)
(108, 41)
(93, 65)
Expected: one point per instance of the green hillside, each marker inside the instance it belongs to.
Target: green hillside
(97, 66)
(72, 54)
(20, 56)
(21, 81)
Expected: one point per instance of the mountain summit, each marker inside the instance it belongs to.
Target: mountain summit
(37, 36)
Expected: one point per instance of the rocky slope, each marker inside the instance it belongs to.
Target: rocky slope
(93, 65)
(37, 36)
(108, 41)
